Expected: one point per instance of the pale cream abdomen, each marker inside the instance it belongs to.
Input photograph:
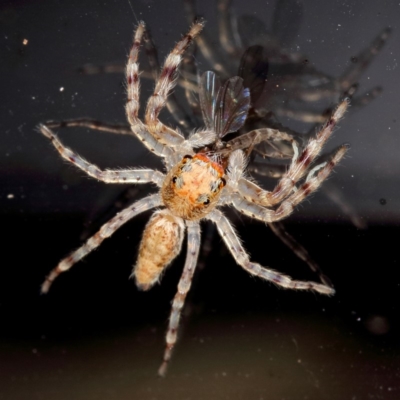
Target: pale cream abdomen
(161, 243)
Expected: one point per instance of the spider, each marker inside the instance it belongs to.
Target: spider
(200, 178)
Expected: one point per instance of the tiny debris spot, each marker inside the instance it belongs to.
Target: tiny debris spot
(382, 201)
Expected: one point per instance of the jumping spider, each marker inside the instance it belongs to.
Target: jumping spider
(198, 182)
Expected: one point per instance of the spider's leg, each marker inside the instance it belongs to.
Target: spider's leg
(105, 231)
(228, 36)
(365, 98)
(106, 208)
(108, 68)
(266, 169)
(314, 179)
(133, 83)
(174, 107)
(307, 116)
(90, 124)
(193, 247)
(363, 60)
(333, 193)
(133, 104)
(210, 52)
(255, 137)
(279, 230)
(107, 176)
(316, 117)
(297, 168)
(166, 82)
(240, 255)
(287, 20)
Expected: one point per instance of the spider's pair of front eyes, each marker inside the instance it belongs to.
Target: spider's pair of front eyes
(204, 199)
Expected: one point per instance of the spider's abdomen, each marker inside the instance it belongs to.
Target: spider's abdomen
(192, 187)
(161, 243)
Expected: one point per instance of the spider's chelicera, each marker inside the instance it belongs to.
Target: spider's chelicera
(201, 176)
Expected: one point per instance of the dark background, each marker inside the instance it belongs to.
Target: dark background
(95, 335)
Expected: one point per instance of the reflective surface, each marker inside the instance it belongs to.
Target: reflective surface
(95, 335)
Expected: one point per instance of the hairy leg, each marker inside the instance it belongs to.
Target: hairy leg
(193, 247)
(240, 255)
(105, 231)
(108, 176)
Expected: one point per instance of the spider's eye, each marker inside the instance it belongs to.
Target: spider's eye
(174, 179)
(223, 182)
(187, 157)
(206, 202)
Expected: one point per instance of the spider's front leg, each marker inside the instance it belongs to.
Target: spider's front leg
(298, 168)
(133, 104)
(315, 178)
(240, 255)
(157, 137)
(107, 176)
(164, 86)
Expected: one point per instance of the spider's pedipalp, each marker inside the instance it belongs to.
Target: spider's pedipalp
(240, 255)
(193, 247)
(105, 231)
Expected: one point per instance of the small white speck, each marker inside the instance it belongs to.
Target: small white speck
(61, 89)
(25, 42)
(10, 196)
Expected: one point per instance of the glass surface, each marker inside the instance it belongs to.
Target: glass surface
(95, 336)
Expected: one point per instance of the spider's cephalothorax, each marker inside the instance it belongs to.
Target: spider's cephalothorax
(194, 187)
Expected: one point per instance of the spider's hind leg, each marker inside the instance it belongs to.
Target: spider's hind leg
(240, 255)
(105, 231)
(193, 248)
